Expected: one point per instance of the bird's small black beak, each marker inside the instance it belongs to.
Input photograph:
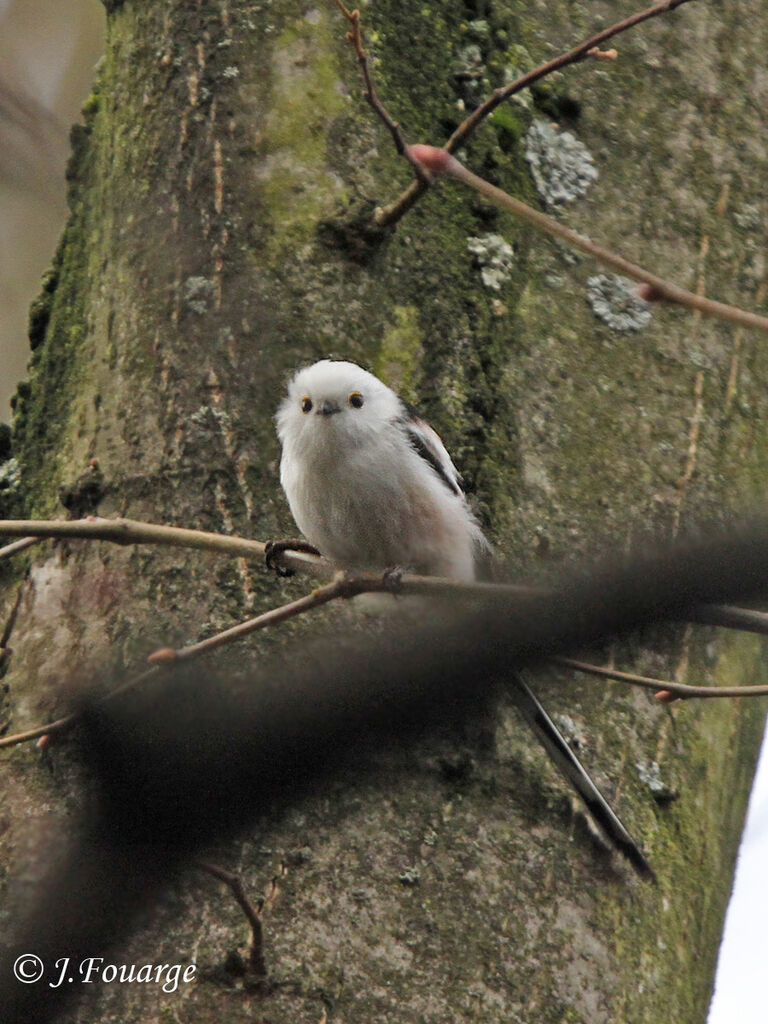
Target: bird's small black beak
(328, 408)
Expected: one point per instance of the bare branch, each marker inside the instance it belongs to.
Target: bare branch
(133, 531)
(127, 531)
(588, 49)
(339, 588)
(439, 161)
(355, 37)
(728, 617)
(253, 915)
(654, 288)
(18, 545)
(680, 691)
(50, 729)
(130, 531)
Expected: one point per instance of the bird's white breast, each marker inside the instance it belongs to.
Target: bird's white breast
(374, 503)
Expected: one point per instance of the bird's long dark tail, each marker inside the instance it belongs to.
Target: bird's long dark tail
(576, 775)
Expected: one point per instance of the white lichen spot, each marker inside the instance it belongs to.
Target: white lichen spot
(479, 29)
(573, 734)
(469, 62)
(468, 72)
(206, 418)
(749, 217)
(520, 61)
(614, 301)
(231, 72)
(562, 167)
(197, 292)
(650, 776)
(10, 475)
(410, 876)
(495, 258)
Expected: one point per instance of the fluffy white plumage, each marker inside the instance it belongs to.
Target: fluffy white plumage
(368, 482)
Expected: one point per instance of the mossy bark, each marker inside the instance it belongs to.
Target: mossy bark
(221, 195)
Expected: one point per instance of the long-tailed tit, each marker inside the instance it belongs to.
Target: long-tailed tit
(371, 485)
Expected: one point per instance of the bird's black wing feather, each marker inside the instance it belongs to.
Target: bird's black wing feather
(566, 762)
(426, 443)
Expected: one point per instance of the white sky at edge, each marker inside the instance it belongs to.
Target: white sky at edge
(741, 984)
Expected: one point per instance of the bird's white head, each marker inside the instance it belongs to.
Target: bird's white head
(333, 402)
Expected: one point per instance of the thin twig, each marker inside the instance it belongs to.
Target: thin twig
(657, 289)
(126, 531)
(729, 617)
(438, 161)
(681, 690)
(253, 916)
(50, 729)
(573, 56)
(18, 545)
(10, 622)
(342, 587)
(394, 211)
(339, 588)
(132, 531)
(355, 37)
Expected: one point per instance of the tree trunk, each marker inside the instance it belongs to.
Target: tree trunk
(221, 197)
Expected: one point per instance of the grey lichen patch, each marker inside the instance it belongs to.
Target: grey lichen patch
(561, 165)
(197, 292)
(650, 776)
(410, 876)
(518, 62)
(614, 301)
(572, 731)
(207, 418)
(479, 29)
(495, 258)
(469, 76)
(10, 475)
(749, 217)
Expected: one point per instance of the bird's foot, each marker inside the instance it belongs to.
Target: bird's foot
(392, 579)
(274, 548)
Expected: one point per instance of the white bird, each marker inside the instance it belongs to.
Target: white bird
(371, 485)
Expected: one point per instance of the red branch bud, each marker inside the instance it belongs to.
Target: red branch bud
(436, 161)
(666, 696)
(649, 293)
(164, 654)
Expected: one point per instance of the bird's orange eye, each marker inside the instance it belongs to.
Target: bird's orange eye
(306, 404)
(356, 400)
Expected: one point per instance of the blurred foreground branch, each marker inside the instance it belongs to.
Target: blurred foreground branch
(195, 759)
